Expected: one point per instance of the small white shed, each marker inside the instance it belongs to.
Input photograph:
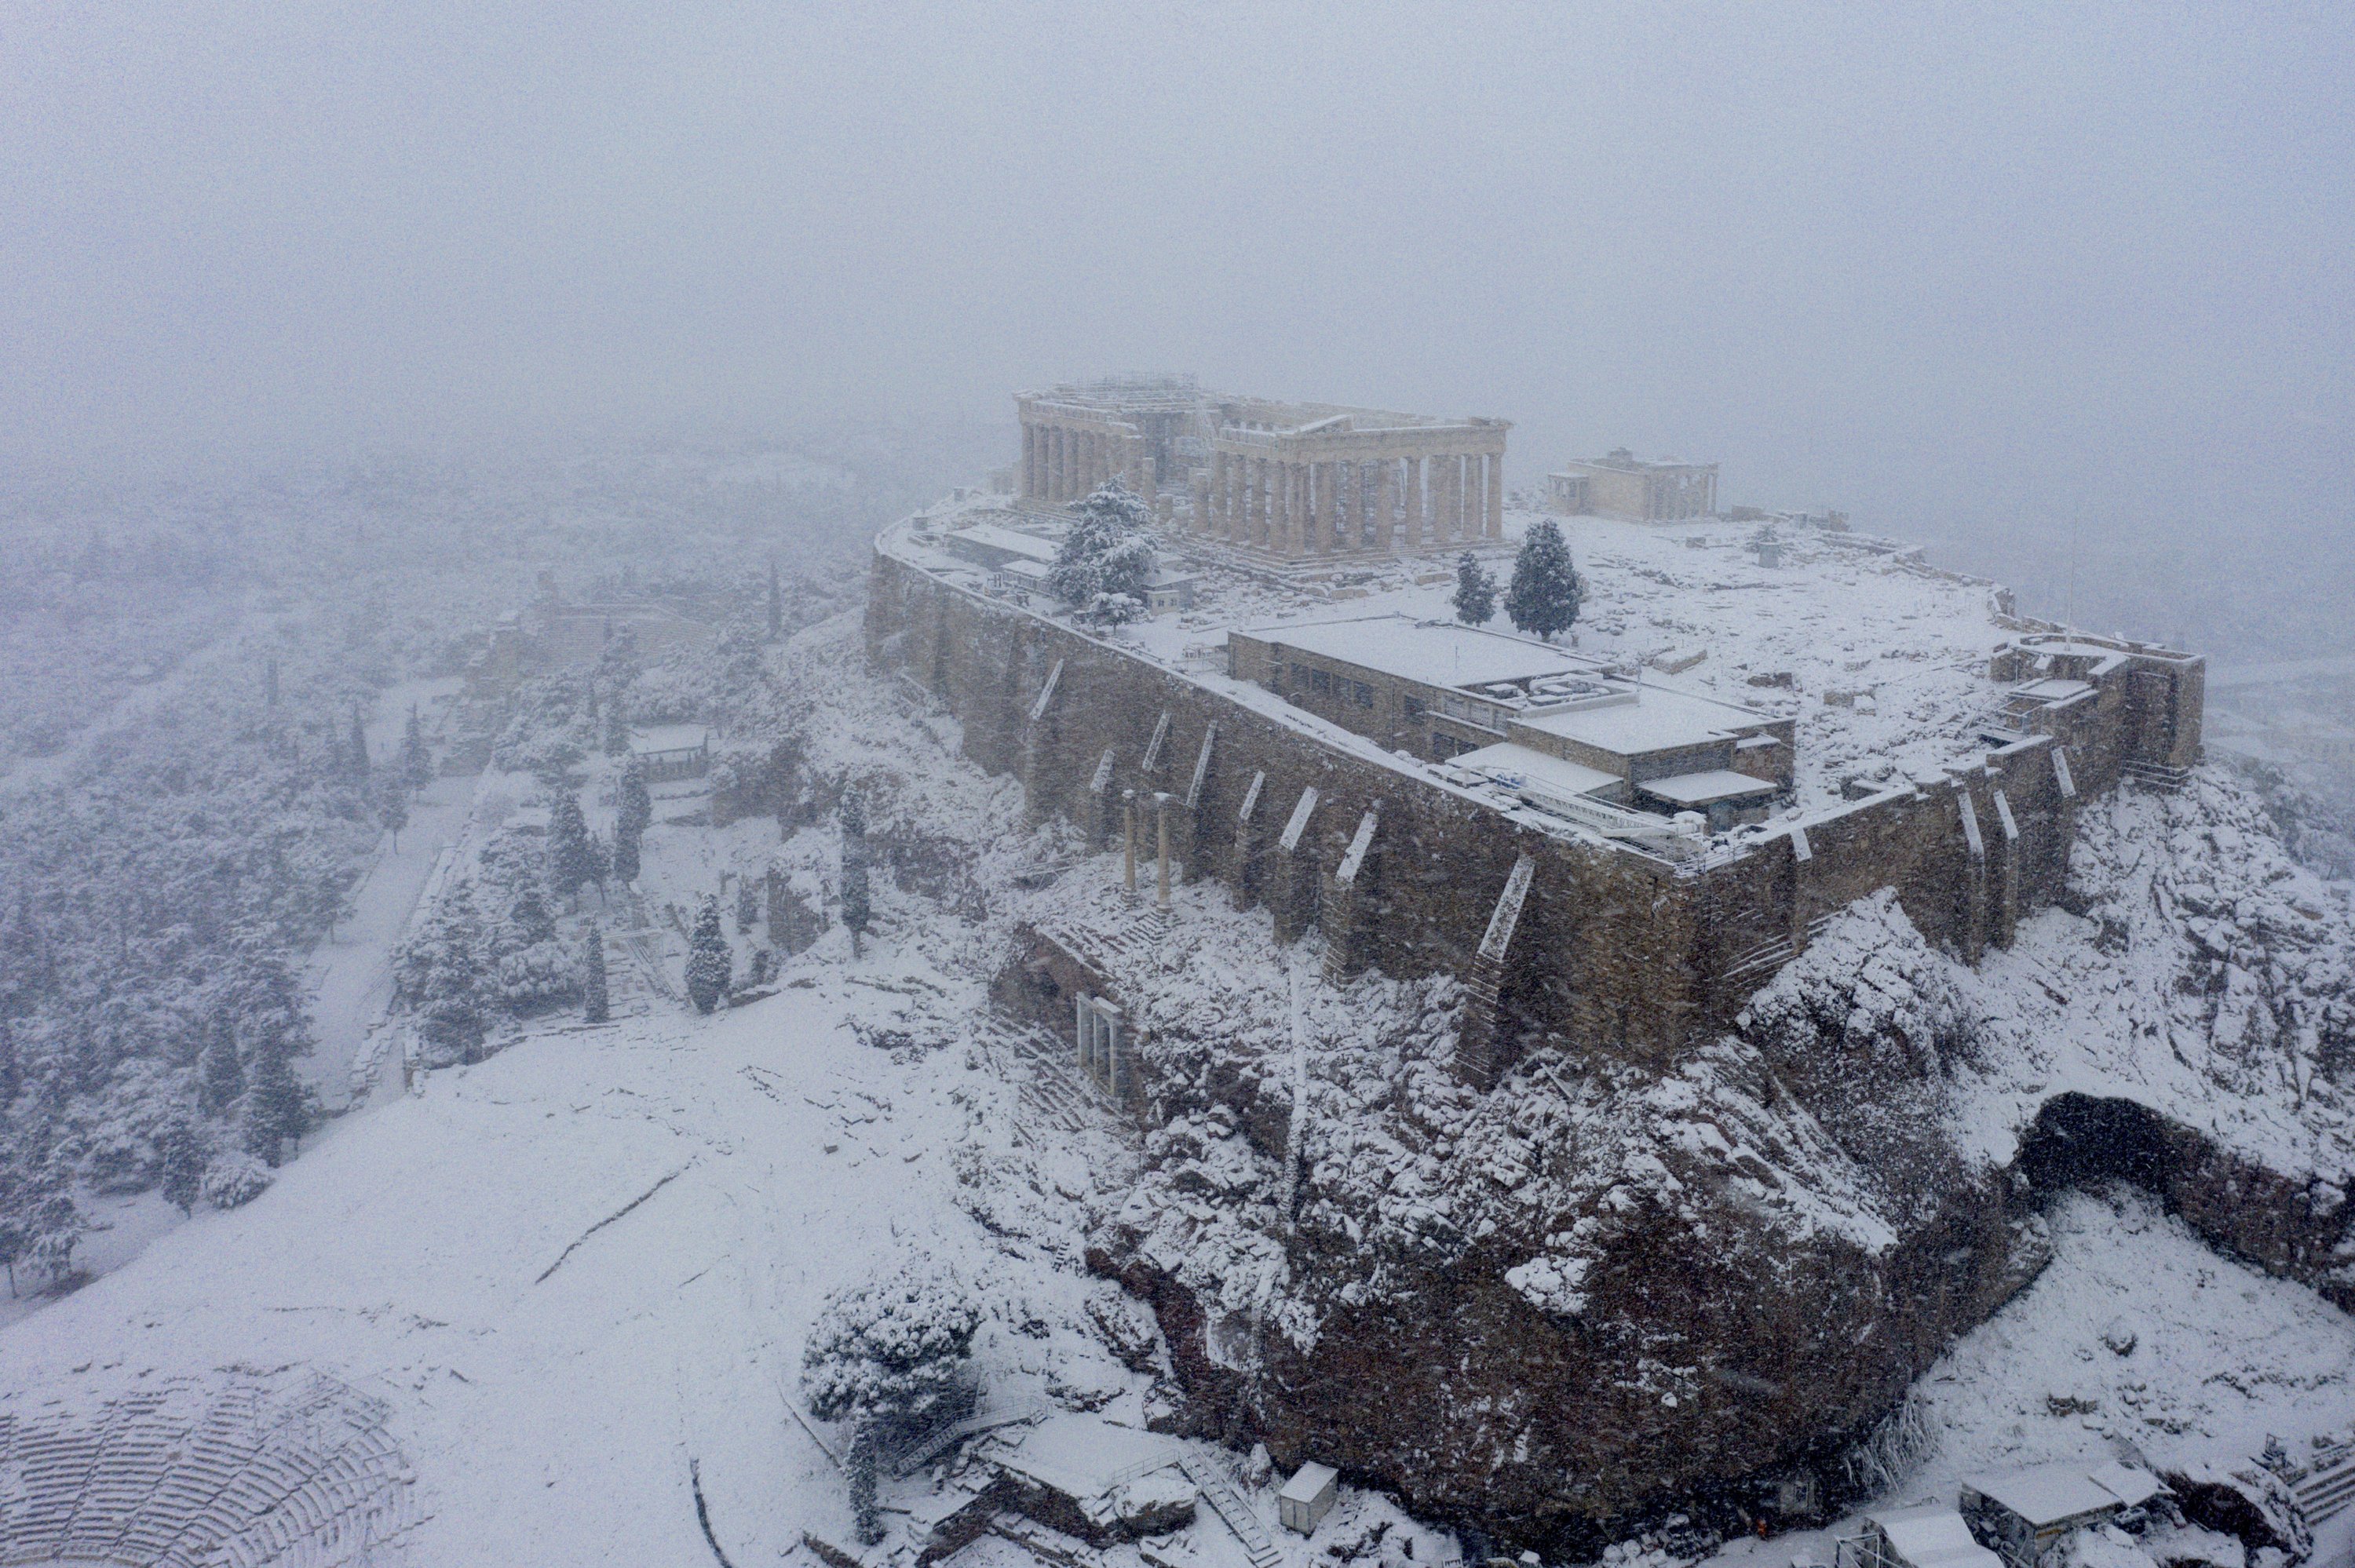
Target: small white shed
(1308, 1496)
(1926, 1537)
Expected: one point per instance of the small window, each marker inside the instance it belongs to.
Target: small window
(1414, 710)
(1361, 693)
(1319, 681)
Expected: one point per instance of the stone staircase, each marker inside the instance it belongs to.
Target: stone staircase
(2327, 1488)
(1039, 1066)
(2157, 776)
(940, 1439)
(1232, 1509)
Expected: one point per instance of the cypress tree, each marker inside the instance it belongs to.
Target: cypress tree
(635, 810)
(1476, 591)
(416, 762)
(277, 1110)
(357, 759)
(568, 845)
(709, 962)
(625, 855)
(221, 1078)
(183, 1164)
(617, 730)
(596, 1007)
(1544, 594)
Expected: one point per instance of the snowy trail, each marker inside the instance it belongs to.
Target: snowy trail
(351, 975)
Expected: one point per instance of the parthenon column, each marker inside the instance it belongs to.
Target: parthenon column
(1410, 487)
(1328, 506)
(1467, 522)
(1295, 509)
(1385, 506)
(1052, 440)
(1494, 524)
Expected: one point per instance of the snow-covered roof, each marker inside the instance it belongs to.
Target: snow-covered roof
(1659, 717)
(1516, 766)
(1433, 652)
(2046, 1494)
(668, 738)
(1932, 1537)
(1029, 570)
(2129, 1485)
(1082, 1455)
(1707, 788)
(1011, 540)
(2054, 688)
(1308, 1483)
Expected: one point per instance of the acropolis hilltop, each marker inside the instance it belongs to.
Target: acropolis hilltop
(1615, 838)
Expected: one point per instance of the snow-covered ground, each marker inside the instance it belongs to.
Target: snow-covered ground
(579, 1274)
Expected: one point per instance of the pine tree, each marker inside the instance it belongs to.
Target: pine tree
(1544, 594)
(183, 1161)
(356, 757)
(595, 1006)
(625, 856)
(221, 1079)
(617, 730)
(856, 912)
(568, 846)
(416, 760)
(776, 605)
(708, 961)
(278, 1109)
(1476, 591)
(1106, 562)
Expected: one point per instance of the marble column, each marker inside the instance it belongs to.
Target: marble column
(1295, 509)
(1214, 507)
(1329, 507)
(1494, 523)
(1413, 523)
(1385, 506)
(1054, 448)
(1468, 524)
(1029, 457)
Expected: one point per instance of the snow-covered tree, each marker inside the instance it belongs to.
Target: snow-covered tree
(277, 1105)
(1105, 565)
(221, 1075)
(568, 846)
(617, 730)
(416, 760)
(857, 912)
(596, 1007)
(1544, 592)
(181, 1156)
(1476, 591)
(625, 855)
(392, 810)
(893, 1349)
(530, 918)
(709, 962)
(356, 757)
(632, 813)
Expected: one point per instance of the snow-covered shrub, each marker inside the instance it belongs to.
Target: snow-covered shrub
(233, 1178)
(892, 1349)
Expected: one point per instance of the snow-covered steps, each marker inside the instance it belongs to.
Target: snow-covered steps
(2327, 1488)
(1230, 1507)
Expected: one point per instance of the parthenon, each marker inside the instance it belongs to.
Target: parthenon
(1289, 482)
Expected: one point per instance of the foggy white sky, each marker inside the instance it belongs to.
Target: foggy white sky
(1940, 267)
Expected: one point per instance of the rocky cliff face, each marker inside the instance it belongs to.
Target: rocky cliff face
(1600, 1288)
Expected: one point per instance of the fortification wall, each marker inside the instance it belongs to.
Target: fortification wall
(1614, 950)
(1604, 956)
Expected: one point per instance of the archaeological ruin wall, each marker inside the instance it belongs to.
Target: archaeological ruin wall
(1561, 940)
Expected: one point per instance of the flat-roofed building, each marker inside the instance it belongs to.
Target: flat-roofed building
(1638, 490)
(1509, 707)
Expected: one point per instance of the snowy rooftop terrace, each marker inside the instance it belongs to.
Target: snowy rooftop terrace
(1879, 658)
